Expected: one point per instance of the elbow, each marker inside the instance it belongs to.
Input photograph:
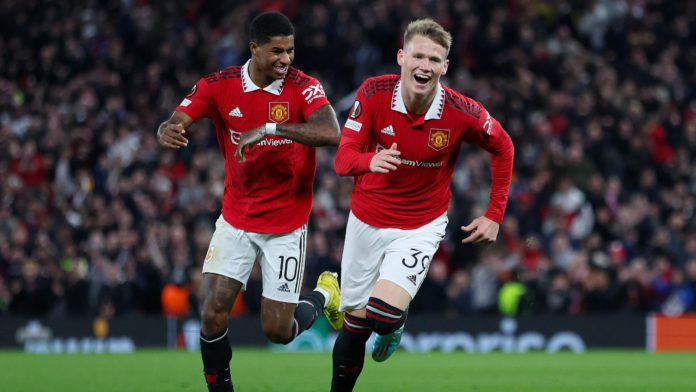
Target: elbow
(339, 166)
(333, 137)
(327, 138)
(340, 169)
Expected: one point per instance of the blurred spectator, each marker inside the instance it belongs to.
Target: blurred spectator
(459, 293)
(559, 295)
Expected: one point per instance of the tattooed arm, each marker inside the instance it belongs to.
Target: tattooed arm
(320, 130)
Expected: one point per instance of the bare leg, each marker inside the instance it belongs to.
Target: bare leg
(220, 292)
(277, 319)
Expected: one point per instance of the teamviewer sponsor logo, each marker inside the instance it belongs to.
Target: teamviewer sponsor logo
(414, 163)
(273, 142)
(235, 137)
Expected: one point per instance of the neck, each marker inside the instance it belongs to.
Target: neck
(257, 76)
(418, 103)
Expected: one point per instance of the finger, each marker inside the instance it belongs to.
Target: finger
(470, 227)
(246, 149)
(378, 169)
(179, 137)
(181, 142)
(392, 153)
(388, 166)
(393, 160)
(177, 128)
(175, 138)
(393, 146)
(174, 141)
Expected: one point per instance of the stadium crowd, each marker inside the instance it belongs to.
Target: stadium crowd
(598, 96)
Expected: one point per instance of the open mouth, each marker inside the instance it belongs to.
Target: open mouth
(421, 79)
(281, 69)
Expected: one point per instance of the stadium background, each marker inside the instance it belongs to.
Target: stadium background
(96, 220)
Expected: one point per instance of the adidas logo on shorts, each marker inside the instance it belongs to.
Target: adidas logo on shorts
(284, 288)
(412, 279)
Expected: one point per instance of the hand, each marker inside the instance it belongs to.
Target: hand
(385, 160)
(483, 231)
(171, 135)
(247, 140)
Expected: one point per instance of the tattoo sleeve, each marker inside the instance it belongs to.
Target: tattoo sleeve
(321, 129)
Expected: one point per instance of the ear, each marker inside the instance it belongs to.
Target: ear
(253, 47)
(400, 57)
(446, 65)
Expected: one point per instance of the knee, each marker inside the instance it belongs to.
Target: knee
(277, 334)
(384, 318)
(213, 320)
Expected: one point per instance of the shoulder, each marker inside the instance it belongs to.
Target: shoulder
(297, 77)
(229, 73)
(462, 103)
(379, 84)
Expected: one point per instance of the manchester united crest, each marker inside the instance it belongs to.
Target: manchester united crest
(278, 112)
(439, 138)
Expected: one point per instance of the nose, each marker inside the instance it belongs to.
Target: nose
(425, 65)
(285, 58)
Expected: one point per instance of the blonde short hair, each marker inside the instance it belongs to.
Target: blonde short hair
(431, 29)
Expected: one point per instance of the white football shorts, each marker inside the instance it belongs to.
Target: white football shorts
(400, 256)
(232, 253)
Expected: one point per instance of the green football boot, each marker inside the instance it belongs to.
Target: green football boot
(385, 345)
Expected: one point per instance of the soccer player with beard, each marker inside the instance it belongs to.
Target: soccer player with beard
(283, 114)
(401, 143)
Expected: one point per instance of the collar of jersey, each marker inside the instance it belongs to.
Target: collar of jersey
(275, 88)
(435, 110)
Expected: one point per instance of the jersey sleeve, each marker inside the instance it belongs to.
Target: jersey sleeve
(352, 157)
(487, 132)
(313, 97)
(198, 103)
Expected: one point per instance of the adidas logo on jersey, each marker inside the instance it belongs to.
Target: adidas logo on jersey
(284, 288)
(388, 130)
(412, 279)
(236, 112)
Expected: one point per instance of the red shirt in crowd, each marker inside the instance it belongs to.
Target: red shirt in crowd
(418, 191)
(271, 192)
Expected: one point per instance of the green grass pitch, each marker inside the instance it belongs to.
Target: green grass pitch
(264, 370)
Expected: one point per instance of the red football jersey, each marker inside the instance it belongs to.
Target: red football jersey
(271, 192)
(418, 191)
